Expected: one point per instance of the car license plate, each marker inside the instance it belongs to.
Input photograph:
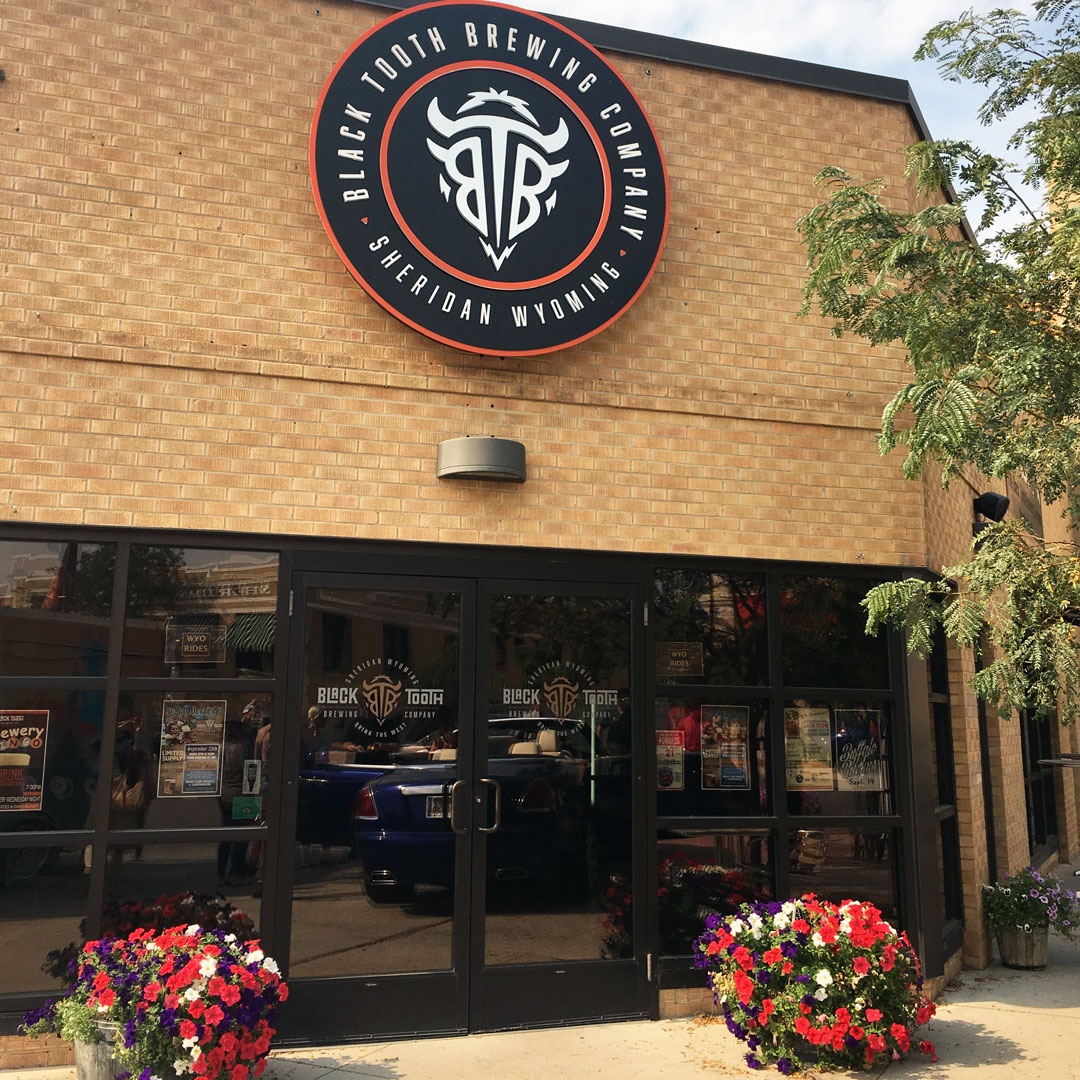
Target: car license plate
(436, 806)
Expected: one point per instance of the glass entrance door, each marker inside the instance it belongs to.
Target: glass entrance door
(378, 940)
(559, 786)
(464, 802)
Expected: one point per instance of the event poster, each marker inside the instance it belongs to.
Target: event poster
(670, 760)
(808, 750)
(192, 742)
(725, 747)
(859, 765)
(23, 737)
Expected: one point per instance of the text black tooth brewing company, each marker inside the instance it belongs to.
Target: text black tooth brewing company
(489, 178)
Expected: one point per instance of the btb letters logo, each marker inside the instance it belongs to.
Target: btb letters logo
(498, 166)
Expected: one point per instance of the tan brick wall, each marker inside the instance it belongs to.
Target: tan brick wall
(182, 347)
(20, 1052)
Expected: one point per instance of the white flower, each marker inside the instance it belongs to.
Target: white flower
(196, 1053)
(736, 927)
(180, 1067)
(189, 1043)
(271, 965)
(817, 939)
(254, 956)
(230, 938)
(788, 908)
(191, 994)
(821, 993)
(192, 930)
(780, 921)
(207, 966)
(823, 977)
(103, 1008)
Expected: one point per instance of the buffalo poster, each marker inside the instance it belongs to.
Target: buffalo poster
(192, 742)
(23, 737)
(670, 760)
(808, 750)
(858, 750)
(725, 747)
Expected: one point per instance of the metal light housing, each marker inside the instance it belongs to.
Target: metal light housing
(481, 458)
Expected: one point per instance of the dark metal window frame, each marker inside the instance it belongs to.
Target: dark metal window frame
(297, 553)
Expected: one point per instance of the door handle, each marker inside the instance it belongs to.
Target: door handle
(454, 802)
(498, 807)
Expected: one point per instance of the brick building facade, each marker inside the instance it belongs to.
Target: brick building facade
(187, 364)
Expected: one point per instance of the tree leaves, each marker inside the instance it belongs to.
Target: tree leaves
(992, 333)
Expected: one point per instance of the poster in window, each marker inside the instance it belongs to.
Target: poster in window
(675, 659)
(808, 750)
(859, 765)
(194, 644)
(192, 741)
(670, 760)
(725, 747)
(23, 737)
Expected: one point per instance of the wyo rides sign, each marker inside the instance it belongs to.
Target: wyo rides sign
(488, 178)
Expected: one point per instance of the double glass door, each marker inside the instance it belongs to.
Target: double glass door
(465, 804)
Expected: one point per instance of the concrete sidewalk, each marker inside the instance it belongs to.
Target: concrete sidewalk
(1012, 1024)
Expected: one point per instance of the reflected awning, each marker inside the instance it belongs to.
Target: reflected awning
(252, 631)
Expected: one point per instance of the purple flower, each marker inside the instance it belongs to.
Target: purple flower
(1035, 893)
(763, 976)
(785, 1066)
(753, 1061)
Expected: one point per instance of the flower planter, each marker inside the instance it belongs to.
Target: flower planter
(94, 1060)
(1023, 949)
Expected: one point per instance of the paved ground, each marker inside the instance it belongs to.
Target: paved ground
(1007, 1024)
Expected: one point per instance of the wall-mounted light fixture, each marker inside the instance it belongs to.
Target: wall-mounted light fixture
(991, 505)
(481, 458)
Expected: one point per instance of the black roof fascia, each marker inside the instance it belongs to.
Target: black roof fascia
(732, 61)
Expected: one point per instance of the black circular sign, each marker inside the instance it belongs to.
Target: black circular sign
(488, 178)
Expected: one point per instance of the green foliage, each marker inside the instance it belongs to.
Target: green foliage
(992, 333)
(1027, 900)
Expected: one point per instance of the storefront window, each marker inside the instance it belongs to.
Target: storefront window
(200, 612)
(699, 872)
(164, 885)
(838, 757)
(55, 600)
(712, 757)
(710, 628)
(42, 909)
(842, 864)
(187, 761)
(823, 635)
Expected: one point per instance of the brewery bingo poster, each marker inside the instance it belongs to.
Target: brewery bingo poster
(23, 736)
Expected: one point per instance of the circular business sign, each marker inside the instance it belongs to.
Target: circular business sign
(488, 178)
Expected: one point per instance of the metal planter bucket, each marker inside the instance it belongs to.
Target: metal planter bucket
(1023, 948)
(94, 1061)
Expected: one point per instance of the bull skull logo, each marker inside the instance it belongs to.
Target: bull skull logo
(561, 695)
(381, 696)
(503, 205)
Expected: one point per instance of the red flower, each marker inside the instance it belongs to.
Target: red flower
(188, 1030)
(239, 1072)
(196, 1008)
(802, 1025)
(927, 1047)
(800, 926)
(786, 969)
(875, 1042)
(214, 1015)
(861, 965)
(856, 1033)
(873, 1014)
(772, 956)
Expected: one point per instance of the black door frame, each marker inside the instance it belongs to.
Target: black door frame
(470, 996)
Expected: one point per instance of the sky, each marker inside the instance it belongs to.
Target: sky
(875, 36)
